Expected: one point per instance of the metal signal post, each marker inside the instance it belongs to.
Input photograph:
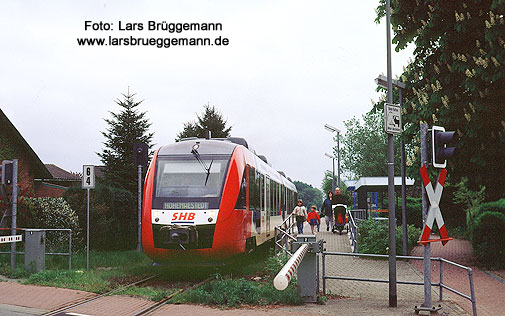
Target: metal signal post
(88, 182)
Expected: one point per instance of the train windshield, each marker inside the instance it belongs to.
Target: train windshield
(190, 178)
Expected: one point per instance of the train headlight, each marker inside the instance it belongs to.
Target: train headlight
(157, 214)
(212, 213)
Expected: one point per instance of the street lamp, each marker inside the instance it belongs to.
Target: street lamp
(333, 172)
(336, 130)
(381, 80)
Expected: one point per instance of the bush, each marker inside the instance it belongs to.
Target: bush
(52, 213)
(495, 206)
(374, 237)
(233, 292)
(113, 216)
(488, 239)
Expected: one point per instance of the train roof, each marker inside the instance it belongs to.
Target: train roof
(207, 147)
(222, 146)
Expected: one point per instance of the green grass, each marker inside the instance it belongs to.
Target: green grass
(235, 292)
(77, 280)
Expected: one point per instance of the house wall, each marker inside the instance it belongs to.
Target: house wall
(45, 189)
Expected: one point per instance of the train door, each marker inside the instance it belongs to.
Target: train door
(268, 204)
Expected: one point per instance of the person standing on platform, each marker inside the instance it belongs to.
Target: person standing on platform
(327, 211)
(339, 213)
(313, 219)
(300, 214)
(338, 198)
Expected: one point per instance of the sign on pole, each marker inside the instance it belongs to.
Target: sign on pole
(392, 118)
(88, 177)
(88, 182)
(434, 213)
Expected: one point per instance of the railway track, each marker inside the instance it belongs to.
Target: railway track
(157, 305)
(65, 310)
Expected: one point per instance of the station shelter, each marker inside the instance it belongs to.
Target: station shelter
(370, 193)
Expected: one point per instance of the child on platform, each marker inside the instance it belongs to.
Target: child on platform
(313, 218)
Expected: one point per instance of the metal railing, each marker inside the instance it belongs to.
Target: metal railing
(440, 284)
(69, 253)
(284, 233)
(353, 232)
(359, 215)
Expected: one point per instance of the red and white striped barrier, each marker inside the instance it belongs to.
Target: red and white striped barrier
(282, 278)
(13, 238)
(434, 210)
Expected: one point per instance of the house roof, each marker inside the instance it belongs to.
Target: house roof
(380, 183)
(39, 170)
(61, 174)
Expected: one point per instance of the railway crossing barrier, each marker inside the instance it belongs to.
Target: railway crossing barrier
(305, 262)
(12, 238)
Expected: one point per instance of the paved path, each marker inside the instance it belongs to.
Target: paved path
(489, 287)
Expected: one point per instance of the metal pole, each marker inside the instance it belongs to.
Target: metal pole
(404, 194)
(391, 174)
(441, 279)
(324, 274)
(472, 292)
(87, 232)
(14, 211)
(338, 164)
(333, 177)
(139, 241)
(70, 250)
(427, 254)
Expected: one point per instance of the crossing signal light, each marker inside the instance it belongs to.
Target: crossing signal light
(7, 169)
(439, 140)
(140, 154)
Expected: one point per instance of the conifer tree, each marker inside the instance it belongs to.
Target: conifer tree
(211, 119)
(126, 127)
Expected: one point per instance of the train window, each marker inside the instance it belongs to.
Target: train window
(259, 192)
(187, 178)
(252, 189)
(242, 195)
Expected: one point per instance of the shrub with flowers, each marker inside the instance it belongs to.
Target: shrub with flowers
(53, 213)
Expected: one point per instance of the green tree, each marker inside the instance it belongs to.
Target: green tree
(471, 199)
(364, 150)
(127, 127)
(211, 119)
(456, 80)
(309, 195)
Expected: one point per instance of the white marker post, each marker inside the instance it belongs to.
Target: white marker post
(88, 182)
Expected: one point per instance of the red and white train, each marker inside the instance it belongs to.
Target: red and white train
(211, 198)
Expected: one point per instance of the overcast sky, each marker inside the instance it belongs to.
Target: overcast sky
(290, 67)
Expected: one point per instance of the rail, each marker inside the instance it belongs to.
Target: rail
(69, 253)
(353, 232)
(440, 284)
(284, 233)
(359, 215)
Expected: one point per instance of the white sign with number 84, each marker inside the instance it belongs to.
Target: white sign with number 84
(88, 177)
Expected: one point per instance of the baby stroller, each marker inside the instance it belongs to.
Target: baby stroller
(340, 218)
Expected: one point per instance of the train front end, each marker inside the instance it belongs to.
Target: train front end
(185, 208)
